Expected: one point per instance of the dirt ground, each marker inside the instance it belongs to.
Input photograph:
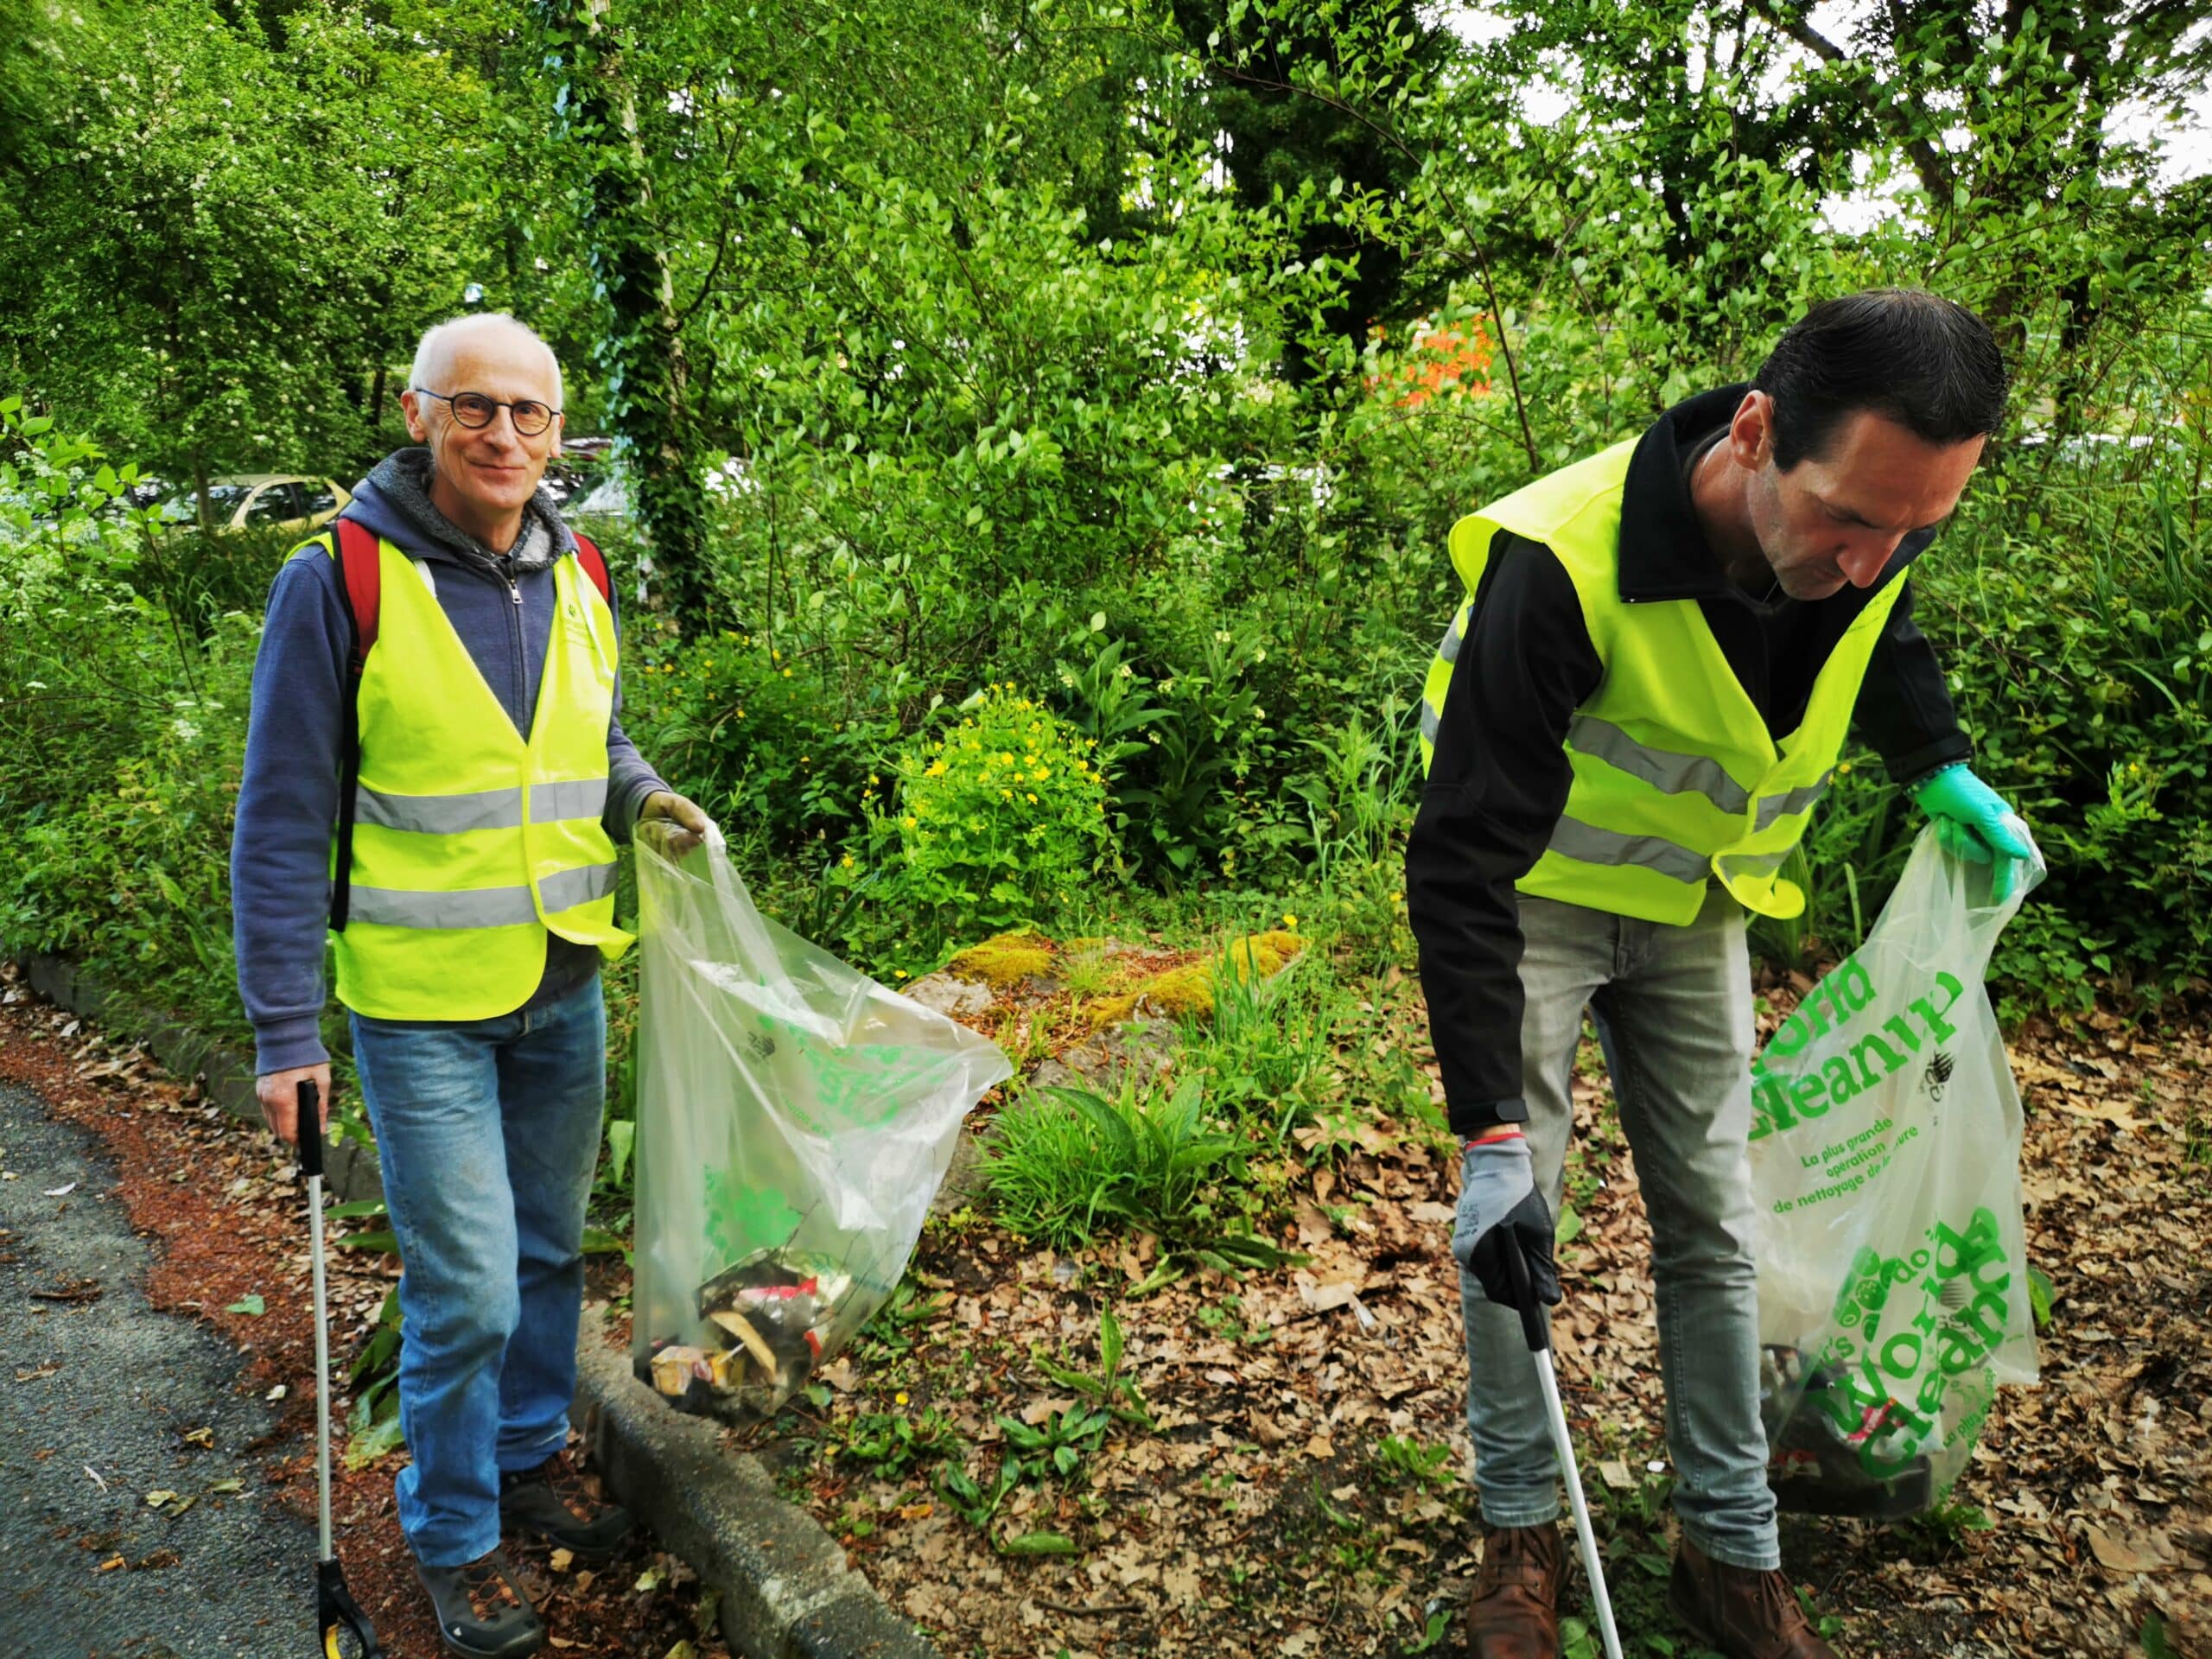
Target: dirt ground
(1300, 1488)
(230, 1216)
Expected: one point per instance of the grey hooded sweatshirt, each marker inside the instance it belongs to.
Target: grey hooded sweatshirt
(502, 609)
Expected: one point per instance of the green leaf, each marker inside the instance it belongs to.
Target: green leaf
(252, 1304)
(365, 1447)
(2041, 1295)
(385, 1244)
(598, 1242)
(1038, 1543)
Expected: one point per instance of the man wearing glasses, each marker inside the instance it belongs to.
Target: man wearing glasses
(475, 720)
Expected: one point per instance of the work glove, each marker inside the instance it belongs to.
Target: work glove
(1974, 822)
(1501, 1215)
(685, 826)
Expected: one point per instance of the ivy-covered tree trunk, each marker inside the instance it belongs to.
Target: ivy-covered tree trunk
(639, 353)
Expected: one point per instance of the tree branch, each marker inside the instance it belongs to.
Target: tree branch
(1390, 136)
(1927, 159)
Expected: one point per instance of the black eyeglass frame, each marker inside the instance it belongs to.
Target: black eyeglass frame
(452, 400)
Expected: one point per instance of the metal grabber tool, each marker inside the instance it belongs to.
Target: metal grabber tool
(1539, 1348)
(345, 1629)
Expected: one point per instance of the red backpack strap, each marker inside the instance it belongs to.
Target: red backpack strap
(587, 554)
(360, 585)
(360, 566)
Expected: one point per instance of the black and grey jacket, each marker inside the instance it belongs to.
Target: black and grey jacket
(1500, 777)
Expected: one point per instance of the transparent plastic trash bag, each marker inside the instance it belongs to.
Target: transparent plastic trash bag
(795, 1119)
(1886, 1165)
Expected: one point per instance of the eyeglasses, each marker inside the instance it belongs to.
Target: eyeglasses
(474, 409)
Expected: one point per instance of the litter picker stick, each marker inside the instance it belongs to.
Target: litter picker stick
(1540, 1349)
(343, 1629)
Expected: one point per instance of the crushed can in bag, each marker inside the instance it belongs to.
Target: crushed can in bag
(1885, 1166)
(795, 1119)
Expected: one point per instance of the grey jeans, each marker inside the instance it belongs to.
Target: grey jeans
(1674, 1006)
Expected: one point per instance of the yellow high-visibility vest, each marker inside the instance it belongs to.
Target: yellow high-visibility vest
(1677, 781)
(470, 842)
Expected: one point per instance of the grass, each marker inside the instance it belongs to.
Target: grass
(1070, 1163)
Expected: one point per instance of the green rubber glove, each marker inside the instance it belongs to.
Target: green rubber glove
(1974, 822)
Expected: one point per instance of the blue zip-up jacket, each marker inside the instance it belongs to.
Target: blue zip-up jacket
(287, 797)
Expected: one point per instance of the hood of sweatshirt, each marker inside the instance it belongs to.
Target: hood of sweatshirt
(394, 502)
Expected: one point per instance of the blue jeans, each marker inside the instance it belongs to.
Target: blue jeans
(1674, 1008)
(487, 1131)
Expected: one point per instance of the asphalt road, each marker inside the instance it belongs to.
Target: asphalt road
(83, 1443)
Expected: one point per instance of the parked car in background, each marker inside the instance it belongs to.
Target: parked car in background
(608, 502)
(281, 501)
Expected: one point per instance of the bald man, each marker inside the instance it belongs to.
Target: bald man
(479, 870)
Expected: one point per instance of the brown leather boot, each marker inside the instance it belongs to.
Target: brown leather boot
(1740, 1611)
(1514, 1614)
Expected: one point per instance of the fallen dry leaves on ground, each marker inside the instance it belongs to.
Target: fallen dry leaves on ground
(1277, 1506)
(1300, 1489)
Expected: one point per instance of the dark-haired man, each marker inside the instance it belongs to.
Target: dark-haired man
(1662, 652)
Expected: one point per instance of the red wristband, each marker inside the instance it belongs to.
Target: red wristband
(1503, 1132)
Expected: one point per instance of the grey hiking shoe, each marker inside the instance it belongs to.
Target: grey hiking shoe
(561, 1504)
(482, 1612)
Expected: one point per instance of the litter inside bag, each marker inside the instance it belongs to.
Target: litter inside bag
(1885, 1165)
(795, 1119)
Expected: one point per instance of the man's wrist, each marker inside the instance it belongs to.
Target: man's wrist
(1503, 1132)
(1469, 1119)
(288, 1046)
(1929, 776)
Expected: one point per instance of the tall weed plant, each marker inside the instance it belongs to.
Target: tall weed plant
(1068, 1164)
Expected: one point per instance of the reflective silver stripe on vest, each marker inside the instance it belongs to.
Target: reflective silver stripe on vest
(1663, 769)
(1449, 650)
(1797, 800)
(480, 906)
(1429, 721)
(1571, 838)
(483, 809)
(1755, 863)
(568, 888)
(472, 907)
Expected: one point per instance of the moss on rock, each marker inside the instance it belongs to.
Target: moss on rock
(1005, 960)
(1186, 993)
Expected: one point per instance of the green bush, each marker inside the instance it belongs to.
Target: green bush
(1002, 819)
(132, 873)
(776, 754)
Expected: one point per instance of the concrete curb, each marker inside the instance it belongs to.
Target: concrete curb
(349, 1167)
(786, 1591)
